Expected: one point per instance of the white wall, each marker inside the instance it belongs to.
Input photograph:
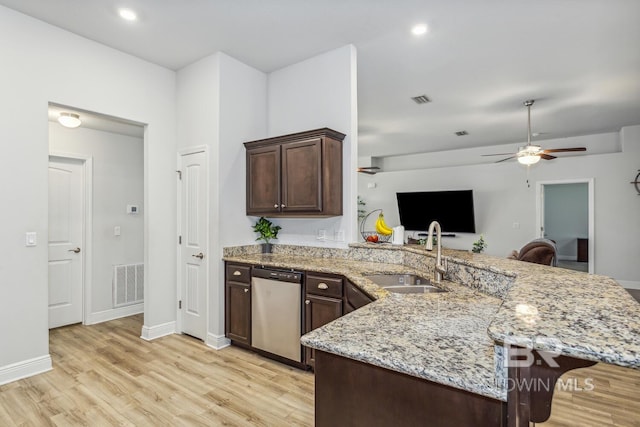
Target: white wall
(316, 93)
(502, 198)
(117, 182)
(222, 103)
(566, 216)
(42, 64)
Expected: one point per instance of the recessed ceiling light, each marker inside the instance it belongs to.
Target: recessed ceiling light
(419, 29)
(127, 14)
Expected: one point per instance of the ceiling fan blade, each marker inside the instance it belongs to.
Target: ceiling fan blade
(370, 170)
(498, 154)
(547, 156)
(504, 160)
(561, 150)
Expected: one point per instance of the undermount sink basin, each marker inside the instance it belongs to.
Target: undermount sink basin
(404, 283)
(415, 289)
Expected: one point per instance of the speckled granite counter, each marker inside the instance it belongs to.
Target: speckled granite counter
(449, 337)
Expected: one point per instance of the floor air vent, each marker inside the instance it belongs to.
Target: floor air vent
(128, 284)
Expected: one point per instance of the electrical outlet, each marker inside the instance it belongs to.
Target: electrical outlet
(338, 236)
(516, 225)
(116, 230)
(322, 235)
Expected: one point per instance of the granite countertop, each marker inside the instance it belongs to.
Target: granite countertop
(441, 337)
(450, 337)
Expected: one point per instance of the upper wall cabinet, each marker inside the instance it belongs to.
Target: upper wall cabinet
(297, 175)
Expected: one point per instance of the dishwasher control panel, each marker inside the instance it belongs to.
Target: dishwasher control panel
(282, 275)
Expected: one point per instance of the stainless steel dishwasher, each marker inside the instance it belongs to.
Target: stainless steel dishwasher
(276, 314)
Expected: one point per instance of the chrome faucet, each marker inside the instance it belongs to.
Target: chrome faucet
(439, 269)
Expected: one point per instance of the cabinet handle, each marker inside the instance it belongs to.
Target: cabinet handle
(237, 273)
(275, 206)
(283, 205)
(307, 302)
(246, 290)
(323, 286)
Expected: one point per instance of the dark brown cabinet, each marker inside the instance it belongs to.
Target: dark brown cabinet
(323, 304)
(296, 175)
(354, 298)
(238, 303)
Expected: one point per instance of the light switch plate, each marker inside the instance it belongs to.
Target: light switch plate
(116, 230)
(31, 238)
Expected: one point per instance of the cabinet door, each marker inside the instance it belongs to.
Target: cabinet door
(238, 312)
(355, 297)
(318, 312)
(263, 180)
(302, 176)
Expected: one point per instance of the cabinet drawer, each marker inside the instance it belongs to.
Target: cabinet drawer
(325, 286)
(356, 297)
(239, 273)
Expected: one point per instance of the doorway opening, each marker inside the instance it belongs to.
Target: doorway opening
(109, 247)
(565, 214)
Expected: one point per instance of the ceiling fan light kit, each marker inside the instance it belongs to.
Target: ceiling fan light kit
(531, 154)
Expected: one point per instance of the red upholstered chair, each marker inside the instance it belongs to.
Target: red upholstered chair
(539, 251)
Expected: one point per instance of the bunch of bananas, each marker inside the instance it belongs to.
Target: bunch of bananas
(382, 227)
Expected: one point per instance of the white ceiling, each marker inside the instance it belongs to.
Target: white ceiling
(479, 61)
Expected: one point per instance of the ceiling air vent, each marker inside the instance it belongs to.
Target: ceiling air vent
(462, 133)
(422, 99)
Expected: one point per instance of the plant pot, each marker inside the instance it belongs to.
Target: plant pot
(267, 248)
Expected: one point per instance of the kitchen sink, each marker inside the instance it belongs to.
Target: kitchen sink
(404, 283)
(415, 289)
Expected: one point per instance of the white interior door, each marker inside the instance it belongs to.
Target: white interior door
(193, 253)
(66, 207)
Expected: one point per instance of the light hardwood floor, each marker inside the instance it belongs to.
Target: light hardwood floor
(106, 375)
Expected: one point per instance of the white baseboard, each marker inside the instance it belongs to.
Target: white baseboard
(152, 332)
(629, 284)
(24, 369)
(217, 342)
(114, 313)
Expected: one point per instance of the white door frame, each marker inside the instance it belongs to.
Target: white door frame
(540, 211)
(87, 226)
(184, 152)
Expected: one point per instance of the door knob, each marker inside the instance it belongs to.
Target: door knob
(76, 250)
(275, 206)
(200, 255)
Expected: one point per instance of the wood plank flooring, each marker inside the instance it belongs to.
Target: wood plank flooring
(106, 375)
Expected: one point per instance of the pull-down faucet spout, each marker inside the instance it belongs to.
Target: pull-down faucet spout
(439, 269)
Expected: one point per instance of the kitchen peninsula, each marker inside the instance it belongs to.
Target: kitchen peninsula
(454, 342)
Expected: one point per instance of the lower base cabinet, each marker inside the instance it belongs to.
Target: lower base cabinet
(318, 312)
(237, 301)
(374, 396)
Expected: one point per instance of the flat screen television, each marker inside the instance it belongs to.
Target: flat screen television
(452, 209)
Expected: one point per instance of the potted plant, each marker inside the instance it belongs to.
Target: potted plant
(267, 231)
(479, 245)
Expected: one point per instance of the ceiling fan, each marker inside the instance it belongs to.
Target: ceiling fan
(370, 170)
(531, 154)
